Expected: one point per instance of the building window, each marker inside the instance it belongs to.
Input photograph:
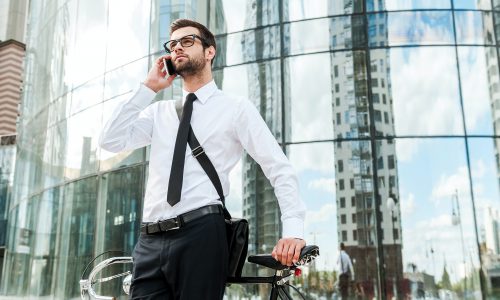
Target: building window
(340, 166)
(339, 143)
(395, 234)
(355, 235)
(381, 181)
(374, 82)
(337, 88)
(343, 219)
(354, 218)
(337, 101)
(338, 119)
(382, 82)
(351, 183)
(353, 201)
(342, 202)
(380, 163)
(390, 162)
(386, 117)
(344, 236)
(378, 116)
(336, 71)
(392, 181)
(341, 184)
(375, 98)
(384, 100)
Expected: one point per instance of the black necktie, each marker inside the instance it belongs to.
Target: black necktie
(177, 171)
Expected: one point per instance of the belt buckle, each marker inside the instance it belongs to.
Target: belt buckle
(177, 223)
(166, 223)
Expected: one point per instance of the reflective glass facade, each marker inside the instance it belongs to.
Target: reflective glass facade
(389, 110)
(7, 165)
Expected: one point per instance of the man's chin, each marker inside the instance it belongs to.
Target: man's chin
(183, 72)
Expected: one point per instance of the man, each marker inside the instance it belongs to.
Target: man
(346, 272)
(189, 261)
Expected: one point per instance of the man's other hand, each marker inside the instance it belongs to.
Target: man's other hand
(287, 250)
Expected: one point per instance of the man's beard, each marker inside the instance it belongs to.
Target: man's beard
(191, 66)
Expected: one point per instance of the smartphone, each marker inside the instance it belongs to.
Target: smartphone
(169, 66)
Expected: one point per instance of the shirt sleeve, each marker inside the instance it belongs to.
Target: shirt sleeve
(258, 141)
(131, 124)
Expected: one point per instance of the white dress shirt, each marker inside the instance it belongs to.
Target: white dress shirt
(224, 126)
(344, 264)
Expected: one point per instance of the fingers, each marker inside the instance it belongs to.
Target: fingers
(155, 79)
(287, 250)
(159, 60)
(159, 63)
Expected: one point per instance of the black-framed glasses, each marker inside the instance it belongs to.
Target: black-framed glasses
(186, 41)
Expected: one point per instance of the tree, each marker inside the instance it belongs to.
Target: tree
(445, 280)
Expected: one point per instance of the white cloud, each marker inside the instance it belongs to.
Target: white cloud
(311, 108)
(459, 181)
(448, 184)
(479, 169)
(425, 89)
(312, 157)
(323, 184)
(444, 239)
(325, 213)
(474, 84)
(406, 148)
(408, 205)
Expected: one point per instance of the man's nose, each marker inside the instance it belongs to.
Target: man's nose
(178, 46)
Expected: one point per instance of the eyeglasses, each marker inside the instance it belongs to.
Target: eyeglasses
(186, 41)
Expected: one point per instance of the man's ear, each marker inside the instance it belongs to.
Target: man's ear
(210, 53)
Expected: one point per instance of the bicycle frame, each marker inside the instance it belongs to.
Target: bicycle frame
(278, 282)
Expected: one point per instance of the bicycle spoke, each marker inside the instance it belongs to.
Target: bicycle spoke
(99, 280)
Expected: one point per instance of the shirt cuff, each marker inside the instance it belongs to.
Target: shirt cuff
(143, 96)
(293, 228)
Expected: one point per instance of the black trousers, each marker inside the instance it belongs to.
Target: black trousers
(344, 286)
(187, 263)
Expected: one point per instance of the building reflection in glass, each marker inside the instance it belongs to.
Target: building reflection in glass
(371, 100)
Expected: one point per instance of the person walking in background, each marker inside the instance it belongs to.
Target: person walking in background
(346, 272)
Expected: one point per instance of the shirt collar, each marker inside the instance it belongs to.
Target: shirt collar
(202, 93)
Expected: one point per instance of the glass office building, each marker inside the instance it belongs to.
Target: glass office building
(389, 110)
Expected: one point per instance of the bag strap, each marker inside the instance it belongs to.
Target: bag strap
(204, 161)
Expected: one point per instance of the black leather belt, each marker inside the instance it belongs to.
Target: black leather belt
(180, 220)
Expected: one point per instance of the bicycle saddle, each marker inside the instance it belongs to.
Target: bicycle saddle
(307, 254)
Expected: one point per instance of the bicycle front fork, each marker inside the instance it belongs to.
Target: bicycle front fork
(278, 288)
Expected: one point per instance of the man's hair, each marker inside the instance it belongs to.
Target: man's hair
(342, 246)
(205, 34)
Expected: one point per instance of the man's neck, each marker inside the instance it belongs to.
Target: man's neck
(195, 82)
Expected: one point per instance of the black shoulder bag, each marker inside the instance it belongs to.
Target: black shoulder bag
(237, 229)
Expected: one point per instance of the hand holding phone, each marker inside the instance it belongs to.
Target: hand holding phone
(161, 75)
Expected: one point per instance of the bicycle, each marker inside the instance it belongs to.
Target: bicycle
(278, 282)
